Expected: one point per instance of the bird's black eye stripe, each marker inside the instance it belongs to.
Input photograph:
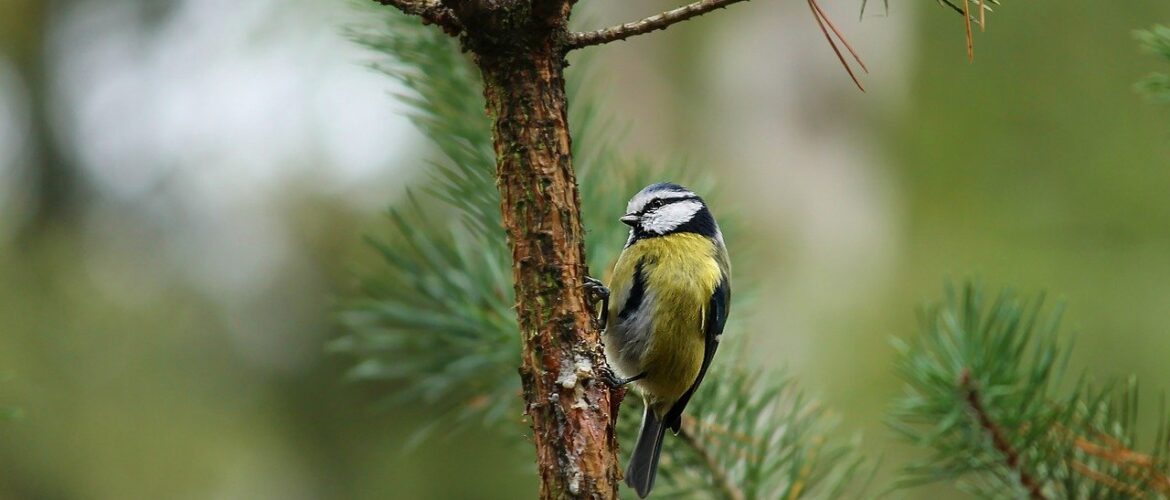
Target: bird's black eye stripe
(659, 202)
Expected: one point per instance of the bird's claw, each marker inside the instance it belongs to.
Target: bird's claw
(611, 379)
(598, 288)
(598, 292)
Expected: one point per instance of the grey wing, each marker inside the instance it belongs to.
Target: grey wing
(716, 319)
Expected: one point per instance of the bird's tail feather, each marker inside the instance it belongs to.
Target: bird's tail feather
(644, 462)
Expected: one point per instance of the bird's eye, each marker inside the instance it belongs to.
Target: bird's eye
(655, 204)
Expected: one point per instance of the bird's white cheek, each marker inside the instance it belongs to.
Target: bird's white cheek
(651, 224)
(671, 216)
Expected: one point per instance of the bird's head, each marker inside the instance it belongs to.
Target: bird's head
(665, 208)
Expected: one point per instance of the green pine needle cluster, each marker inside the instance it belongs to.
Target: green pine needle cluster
(984, 394)
(436, 320)
(754, 434)
(1157, 41)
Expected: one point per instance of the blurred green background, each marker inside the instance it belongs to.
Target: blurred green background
(184, 187)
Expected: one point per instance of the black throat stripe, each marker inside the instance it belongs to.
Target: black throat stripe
(637, 292)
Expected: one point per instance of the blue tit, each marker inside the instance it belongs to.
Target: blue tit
(669, 297)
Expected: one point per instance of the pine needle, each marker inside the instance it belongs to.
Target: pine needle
(970, 36)
(982, 11)
(823, 20)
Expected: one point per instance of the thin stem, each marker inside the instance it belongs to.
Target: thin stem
(647, 25)
(998, 439)
(729, 490)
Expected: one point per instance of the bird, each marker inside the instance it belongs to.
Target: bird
(664, 313)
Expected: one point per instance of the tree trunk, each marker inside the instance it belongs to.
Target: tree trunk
(519, 49)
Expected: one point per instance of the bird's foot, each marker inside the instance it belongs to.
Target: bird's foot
(598, 293)
(607, 376)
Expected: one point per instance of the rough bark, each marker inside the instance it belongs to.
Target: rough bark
(519, 49)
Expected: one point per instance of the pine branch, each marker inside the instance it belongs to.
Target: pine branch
(981, 394)
(437, 320)
(647, 25)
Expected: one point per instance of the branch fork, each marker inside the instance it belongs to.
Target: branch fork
(431, 12)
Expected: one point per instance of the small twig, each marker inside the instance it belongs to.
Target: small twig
(730, 490)
(647, 25)
(431, 12)
(997, 437)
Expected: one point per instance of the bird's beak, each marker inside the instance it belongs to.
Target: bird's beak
(629, 219)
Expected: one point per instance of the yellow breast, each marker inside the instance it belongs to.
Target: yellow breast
(681, 272)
